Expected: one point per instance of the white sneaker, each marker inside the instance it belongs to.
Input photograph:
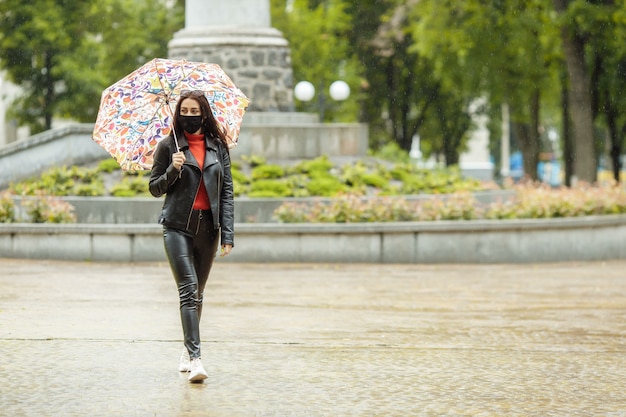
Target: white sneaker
(197, 372)
(184, 364)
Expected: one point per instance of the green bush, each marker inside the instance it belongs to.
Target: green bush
(353, 175)
(239, 176)
(108, 165)
(264, 172)
(131, 186)
(7, 208)
(375, 180)
(392, 152)
(297, 184)
(324, 185)
(240, 189)
(316, 177)
(319, 164)
(269, 189)
(93, 189)
(254, 160)
(60, 181)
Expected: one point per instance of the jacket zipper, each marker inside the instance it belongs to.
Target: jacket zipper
(191, 212)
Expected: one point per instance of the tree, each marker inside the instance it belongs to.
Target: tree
(605, 32)
(579, 96)
(367, 17)
(408, 88)
(399, 85)
(500, 50)
(63, 53)
(35, 38)
(320, 52)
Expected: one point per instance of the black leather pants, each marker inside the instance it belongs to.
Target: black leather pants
(191, 255)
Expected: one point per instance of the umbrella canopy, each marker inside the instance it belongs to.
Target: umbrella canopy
(137, 112)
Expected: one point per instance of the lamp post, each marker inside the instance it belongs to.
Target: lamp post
(338, 90)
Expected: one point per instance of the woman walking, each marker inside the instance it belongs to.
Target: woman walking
(192, 169)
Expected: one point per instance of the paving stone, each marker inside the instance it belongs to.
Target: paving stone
(103, 339)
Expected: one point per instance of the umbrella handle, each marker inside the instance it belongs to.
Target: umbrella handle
(175, 139)
(180, 173)
(167, 103)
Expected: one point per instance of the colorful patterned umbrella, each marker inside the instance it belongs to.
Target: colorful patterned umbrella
(138, 111)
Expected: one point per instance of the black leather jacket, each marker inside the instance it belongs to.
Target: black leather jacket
(181, 187)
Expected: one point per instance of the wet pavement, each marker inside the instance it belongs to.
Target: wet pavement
(80, 339)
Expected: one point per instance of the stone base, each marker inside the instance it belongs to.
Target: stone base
(291, 135)
(257, 59)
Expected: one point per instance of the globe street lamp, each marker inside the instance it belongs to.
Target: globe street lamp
(339, 90)
(305, 91)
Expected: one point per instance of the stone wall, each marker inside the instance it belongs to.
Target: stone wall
(491, 241)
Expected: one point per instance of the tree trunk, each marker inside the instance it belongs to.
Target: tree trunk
(580, 104)
(611, 115)
(533, 145)
(49, 92)
(522, 132)
(616, 140)
(568, 154)
(528, 138)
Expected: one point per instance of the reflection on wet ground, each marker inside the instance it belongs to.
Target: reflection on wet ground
(316, 340)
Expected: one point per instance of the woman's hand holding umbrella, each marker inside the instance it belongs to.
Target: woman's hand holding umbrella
(178, 159)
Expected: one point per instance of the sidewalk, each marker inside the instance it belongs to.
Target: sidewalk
(90, 339)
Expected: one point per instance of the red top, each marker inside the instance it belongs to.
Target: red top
(198, 148)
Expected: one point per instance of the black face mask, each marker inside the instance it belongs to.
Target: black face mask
(190, 124)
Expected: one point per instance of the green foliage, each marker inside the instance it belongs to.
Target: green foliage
(416, 180)
(63, 54)
(92, 189)
(254, 160)
(240, 189)
(108, 165)
(7, 208)
(353, 175)
(324, 185)
(375, 180)
(269, 189)
(49, 209)
(297, 183)
(62, 181)
(323, 54)
(316, 177)
(319, 164)
(239, 176)
(392, 152)
(131, 186)
(267, 172)
(240, 181)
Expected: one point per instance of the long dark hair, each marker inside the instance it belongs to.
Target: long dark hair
(209, 124)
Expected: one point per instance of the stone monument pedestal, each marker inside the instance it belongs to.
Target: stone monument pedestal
(283, 137)
(238, 36)
(257, 59)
